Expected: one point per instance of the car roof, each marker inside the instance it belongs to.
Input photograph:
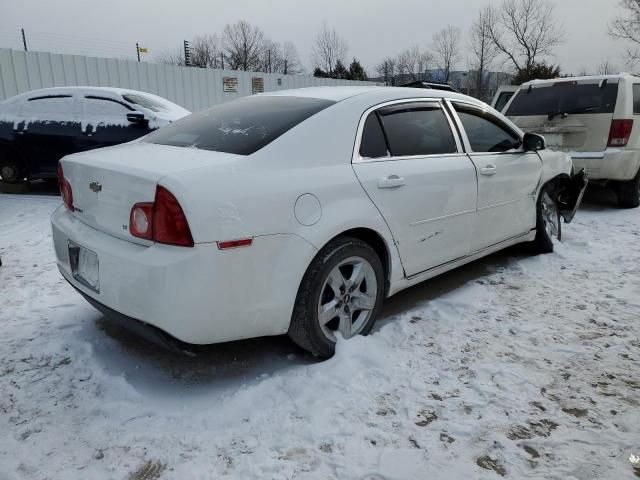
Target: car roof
(584, 78)
(338, 94)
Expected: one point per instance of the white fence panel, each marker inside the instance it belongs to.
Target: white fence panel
(193, 88)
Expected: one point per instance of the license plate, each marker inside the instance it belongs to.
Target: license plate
(554, 139)
(84, 266)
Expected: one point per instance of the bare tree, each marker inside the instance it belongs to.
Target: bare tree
(243, 45)
(280, 58)
(525, 31)
(627, 27)
(206, 52)
(483, 51)
(413, 62)
(607, 68)
(175, 57)
(328, 48)
(387, 70)
(446, 47)
(291, 59)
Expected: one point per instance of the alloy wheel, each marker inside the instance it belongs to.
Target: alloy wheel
(347, 298)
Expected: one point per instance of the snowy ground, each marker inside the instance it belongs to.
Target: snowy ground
(525, 367)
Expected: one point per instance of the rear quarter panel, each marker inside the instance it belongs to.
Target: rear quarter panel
(256, 195)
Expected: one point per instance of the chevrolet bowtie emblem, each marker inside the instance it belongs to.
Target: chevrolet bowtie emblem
(95, 186)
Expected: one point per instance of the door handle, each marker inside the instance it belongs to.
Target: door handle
(488, 170)
(392, 181)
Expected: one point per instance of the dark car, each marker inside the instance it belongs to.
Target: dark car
(39, 127)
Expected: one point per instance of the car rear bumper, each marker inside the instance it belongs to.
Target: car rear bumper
(197, 295)
(612, 164)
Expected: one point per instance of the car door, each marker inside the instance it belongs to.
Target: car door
(48, 128)
(104, 122)
(507, 176)
(411, 164)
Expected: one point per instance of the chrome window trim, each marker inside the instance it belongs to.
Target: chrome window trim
(438, 102)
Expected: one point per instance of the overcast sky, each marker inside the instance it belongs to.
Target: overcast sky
(373, 29)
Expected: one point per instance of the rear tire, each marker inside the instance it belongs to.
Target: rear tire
(548, 224)
(629, 193)
(341, 291)
(12, 167)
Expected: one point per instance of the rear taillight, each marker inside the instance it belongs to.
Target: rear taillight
(162, 221)
(65, 188)
(620, 133)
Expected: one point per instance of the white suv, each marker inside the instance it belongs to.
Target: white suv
(591, 118)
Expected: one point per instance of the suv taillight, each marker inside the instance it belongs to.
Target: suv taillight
(162, 221)
(620, 133)
(65, 188)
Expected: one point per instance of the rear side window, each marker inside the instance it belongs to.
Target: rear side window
(636, 99)
(502, 101)
(565, 97)
(485, 132)
(417, 129)
(373, 144)
(50, 107)
(241, 126)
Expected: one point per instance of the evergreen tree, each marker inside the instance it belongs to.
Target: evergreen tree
(356, 72)
(318, 72)
(537, 71)
(340, 71)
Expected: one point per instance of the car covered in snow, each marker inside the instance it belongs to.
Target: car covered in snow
(299, 211)
(594, 119)
(39, 127)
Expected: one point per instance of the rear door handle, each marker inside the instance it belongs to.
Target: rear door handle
(488, 170)
(392, 181)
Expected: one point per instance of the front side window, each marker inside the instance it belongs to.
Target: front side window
(49, 108)
(104, 107)
(417, 129)
(241, 126)
(485, 132)
(146, 102)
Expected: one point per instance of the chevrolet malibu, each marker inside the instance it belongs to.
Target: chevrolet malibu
(299, 211)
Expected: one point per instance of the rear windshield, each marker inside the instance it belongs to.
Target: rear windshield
(564, 97)
(241, 126)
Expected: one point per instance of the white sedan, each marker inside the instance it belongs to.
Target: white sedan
(299, 211)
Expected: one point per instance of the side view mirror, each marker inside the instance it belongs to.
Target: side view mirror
(533, 142)
(136, 117)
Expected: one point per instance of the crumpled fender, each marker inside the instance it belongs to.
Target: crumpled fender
(569, 193)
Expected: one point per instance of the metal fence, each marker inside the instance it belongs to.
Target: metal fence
(192, 88)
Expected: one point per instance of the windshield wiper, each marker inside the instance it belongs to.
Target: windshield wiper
(564, 113)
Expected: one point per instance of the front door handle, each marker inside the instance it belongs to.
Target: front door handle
(488, 170)
(392, 181)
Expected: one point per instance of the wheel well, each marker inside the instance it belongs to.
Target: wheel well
(554, 184)
(373, 238)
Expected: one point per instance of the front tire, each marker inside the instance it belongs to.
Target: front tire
(629, 193)
(340, 294)
(548, 224)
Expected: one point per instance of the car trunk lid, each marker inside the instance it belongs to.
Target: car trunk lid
(107, 182)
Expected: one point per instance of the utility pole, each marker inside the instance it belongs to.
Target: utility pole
(269, 59)
(138, 50)
(285, 66)
(187, 54)
(24, 40)
(222, 60)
